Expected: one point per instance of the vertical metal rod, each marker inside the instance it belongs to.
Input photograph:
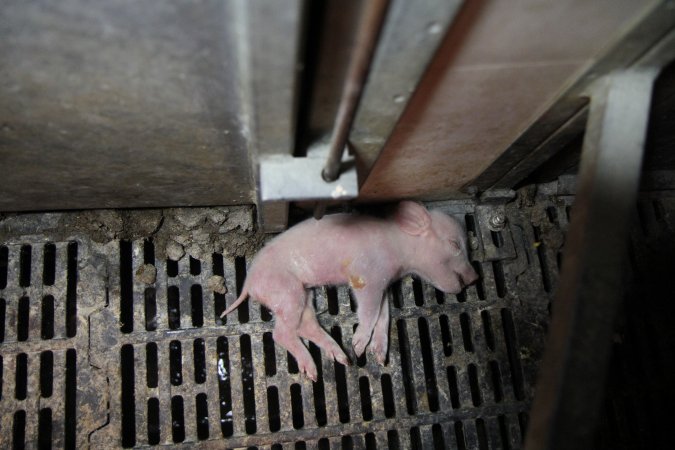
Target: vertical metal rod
(569, 391)
(357, 72)
(319, 210)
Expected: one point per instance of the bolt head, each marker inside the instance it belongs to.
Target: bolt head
(498, 219)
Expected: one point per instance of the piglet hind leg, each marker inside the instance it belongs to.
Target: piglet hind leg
(288, 317)
(379, 342)
(369, 303)
(311, 330)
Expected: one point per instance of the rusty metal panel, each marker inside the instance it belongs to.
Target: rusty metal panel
(121, 104)
(498, 69)
(409, 39)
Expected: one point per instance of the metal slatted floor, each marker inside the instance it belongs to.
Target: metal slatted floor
(97, 353)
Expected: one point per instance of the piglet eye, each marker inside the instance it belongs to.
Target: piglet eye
(454, 245)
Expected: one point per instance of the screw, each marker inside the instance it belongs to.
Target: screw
(498, 220)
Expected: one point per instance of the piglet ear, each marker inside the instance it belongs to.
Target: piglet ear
(412, 218)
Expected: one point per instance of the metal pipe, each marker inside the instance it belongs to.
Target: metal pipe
(357, 72)
(319, 210)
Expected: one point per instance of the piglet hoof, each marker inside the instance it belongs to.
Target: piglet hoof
(380, 356)
(359, 343)
(310, 371)
(339, 356)
(379, 351)
(381, 359)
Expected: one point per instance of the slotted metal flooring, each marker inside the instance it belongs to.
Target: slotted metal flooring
(93, 356)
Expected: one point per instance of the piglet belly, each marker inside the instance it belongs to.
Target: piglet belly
(322, 275)
(354, 271)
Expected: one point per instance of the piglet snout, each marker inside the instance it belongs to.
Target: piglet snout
(468, 276)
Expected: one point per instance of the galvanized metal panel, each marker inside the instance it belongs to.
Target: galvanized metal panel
(269, 35)
(120, 104)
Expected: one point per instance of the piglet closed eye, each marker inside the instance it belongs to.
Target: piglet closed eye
(367, 254)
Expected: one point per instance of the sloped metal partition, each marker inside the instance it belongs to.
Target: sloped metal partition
(109, 342)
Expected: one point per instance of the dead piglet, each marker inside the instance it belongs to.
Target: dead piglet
(365, 252)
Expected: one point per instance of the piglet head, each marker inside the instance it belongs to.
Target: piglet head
(435, 247)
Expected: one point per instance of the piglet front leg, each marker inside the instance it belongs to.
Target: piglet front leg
(379, 342)
(369, 300)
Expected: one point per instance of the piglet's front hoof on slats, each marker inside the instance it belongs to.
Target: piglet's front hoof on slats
(378, 348)
(309, 370)
(360, 341)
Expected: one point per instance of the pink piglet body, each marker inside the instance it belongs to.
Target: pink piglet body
(367, 254)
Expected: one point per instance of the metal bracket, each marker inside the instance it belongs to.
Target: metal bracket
(287, 178)
(408, 39)
(494, 233)
(493, 240)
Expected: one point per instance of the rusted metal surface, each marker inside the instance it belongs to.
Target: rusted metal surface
(498, 70)
(556, 142)
(565, 119)
(410, 38)
(460, 370)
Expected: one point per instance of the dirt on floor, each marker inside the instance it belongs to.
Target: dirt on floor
(175, 232)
